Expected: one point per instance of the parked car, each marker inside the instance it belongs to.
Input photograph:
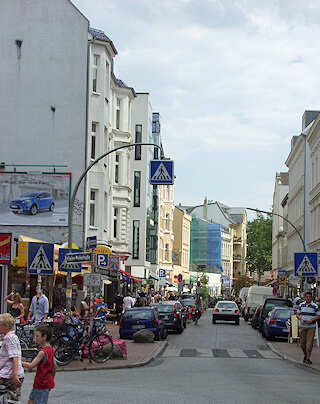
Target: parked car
(226, 310)
(172, 313)
(32, 202)
(142, 318)
(269, 304)
(256, 317)
(256, 295)
(275, 324)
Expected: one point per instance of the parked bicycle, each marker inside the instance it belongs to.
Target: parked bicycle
(25, 333)
(97, 343)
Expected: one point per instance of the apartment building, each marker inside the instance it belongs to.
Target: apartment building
(279, 234)
(181, 244)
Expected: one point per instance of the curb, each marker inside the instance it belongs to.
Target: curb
(283, 356)
(143, 362)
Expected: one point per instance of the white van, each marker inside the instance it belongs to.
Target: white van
(243, 293)
(256, 296)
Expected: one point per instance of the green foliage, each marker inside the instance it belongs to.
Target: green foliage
(204, 291)
(259, 239)
(241, 281)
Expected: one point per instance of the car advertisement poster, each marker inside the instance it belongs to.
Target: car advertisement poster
(5, 248)
(34, 199)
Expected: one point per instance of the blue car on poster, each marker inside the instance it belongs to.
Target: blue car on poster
(275, 324)
(32, 202)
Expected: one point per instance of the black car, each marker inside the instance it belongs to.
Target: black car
(172, 315)
(269, 304)
(256, 317)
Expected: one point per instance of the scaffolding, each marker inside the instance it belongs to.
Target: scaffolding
(205, 245)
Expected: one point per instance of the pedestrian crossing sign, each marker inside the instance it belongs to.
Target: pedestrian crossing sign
(161, 172)
(70, 266)
(306, 264)
(40, 258)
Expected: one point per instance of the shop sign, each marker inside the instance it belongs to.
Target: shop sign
(23, 253)
(193, 278)
(150, 281)
(5, 248)
(144, 282)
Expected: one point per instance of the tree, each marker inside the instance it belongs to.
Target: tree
(241, 281)
(259, 239)
(204, 280)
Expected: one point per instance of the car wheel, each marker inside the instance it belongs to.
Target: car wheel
(165, 333)
(15, 211)
(246, 317)
(263, 331)
(213, 320)
(158, 336)
(185, 324)
(51, 209)
(180, 329)
(33, 210)
(237, 322)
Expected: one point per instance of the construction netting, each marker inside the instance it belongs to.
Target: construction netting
(205, 246)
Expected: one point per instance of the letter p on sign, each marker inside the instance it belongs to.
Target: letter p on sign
(102, 260)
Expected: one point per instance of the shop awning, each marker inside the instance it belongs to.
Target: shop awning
(130, 276)
(170, 283)
(154, 277)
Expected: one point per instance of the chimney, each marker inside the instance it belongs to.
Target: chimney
(205, 208)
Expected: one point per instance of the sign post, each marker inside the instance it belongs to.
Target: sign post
(162, 277)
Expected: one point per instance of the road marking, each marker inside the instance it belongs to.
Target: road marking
(237, 353)
(219, 353)
(171, 352)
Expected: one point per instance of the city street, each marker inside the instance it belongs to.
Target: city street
(207, 363)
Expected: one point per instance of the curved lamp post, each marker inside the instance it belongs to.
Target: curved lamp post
(73, 197)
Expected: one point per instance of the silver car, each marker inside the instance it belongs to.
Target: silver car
(227, 311)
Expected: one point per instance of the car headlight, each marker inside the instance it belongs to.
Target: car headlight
(26, 201)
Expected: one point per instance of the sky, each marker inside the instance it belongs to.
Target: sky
(231, 80)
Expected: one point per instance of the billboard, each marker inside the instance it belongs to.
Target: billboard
(34, 199)
(5, 248)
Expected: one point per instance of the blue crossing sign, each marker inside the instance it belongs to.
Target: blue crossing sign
(161, 172)
(68, 266)
(40, 258)
(306, 264)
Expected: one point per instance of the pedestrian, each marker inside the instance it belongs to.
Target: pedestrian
(11, 370)
(128, 301)
(118, 307)
(43, 307)
(85, 307)
(143, 300)
(17, 308)
(46, 367)
(308, 313)
(101, 310)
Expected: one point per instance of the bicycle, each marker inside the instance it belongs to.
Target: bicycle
(66, 347)
(196, 316)
(25, 333)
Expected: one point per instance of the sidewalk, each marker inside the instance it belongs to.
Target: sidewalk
(294, 353)
(138, 355)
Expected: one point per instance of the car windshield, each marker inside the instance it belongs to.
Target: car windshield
(183, 297)
(283, 314)
(137, 315)
(227, 305)
(29, 195)
(188, 302)
(164, 308)
(276, 303)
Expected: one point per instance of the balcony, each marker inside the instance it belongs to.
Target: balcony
(236, 258)
(236, 240)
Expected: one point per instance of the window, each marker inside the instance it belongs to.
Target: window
(135, 246)
(167, 221)
(93, 140)
(138, 139)
(137, 185)
(166, 252)
(118, 113)
(93, 207)
(107, 80)
(117, 169)
(95, 70)
(115, 222)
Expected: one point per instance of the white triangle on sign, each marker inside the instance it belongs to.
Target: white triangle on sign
(69, 265)
(161, 174)
(40, 261)
(306, 267)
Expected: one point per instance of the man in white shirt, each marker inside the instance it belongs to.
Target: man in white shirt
(128, 302)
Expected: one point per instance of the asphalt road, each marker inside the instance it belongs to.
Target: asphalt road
(207, 363)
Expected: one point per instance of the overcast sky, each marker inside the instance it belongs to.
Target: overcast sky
(231, 80)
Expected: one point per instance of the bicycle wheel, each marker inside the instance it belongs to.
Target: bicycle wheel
(101, 348)
(64, 350)
(23, 343)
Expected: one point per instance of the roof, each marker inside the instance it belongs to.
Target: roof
(101, 36)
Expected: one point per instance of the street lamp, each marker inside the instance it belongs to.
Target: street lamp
(73, 197)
